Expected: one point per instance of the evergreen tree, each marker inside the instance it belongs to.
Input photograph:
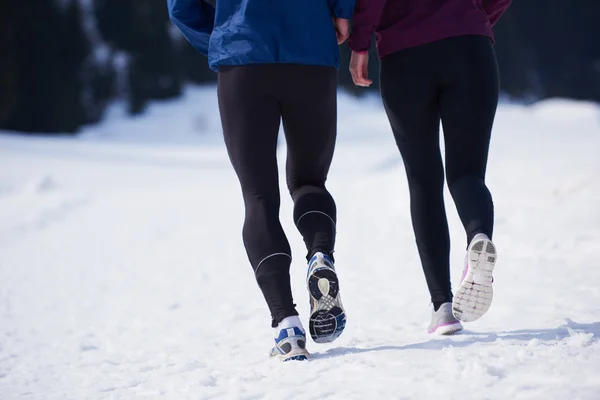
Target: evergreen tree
(9, 66)
(73, 50)
(142, 29)
(50, 50)
(566, 41)
(194, 66)
(516, 58)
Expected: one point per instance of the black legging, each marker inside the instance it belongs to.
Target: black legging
(253, 100)
(455, 80)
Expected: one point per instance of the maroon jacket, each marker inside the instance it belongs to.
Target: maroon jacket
(400, 24)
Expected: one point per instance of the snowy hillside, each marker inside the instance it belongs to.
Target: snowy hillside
(123, 276)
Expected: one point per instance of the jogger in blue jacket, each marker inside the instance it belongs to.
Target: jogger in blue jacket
(277, 61)
(242, 32)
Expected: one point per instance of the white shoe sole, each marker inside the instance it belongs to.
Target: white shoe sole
(475, 293)
(448, 329)
(327, 316)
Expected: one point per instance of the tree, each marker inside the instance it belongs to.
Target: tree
(48, 46)
(142, 30)
(9, 67)
(517, 58)
(194, 66)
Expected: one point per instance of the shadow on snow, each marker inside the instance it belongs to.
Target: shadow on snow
(467, 338)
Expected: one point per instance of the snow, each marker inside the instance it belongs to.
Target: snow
(123, 276)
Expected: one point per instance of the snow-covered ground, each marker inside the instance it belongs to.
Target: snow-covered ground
(123, 276)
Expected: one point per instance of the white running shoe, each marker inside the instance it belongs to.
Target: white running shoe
(290, 341)
(443, 322)
(474, 295)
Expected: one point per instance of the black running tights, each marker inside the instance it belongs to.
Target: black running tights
(454, 80)
(253, 100)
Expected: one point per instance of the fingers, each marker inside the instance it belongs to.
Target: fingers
(360, 79)
(365, 75)
(359, 65)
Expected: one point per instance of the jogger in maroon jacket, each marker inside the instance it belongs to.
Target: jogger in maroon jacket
(438, 63)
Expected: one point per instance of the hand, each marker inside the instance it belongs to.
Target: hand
(342, 29)
(359, 65)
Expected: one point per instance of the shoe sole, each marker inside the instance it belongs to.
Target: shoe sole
(295, 355)
(446, 329)
(475, 293)
(327, 317)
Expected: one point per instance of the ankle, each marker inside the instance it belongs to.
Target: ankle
(438, 304)
(312, 253)
(289, 322)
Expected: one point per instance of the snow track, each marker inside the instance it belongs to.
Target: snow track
(123, 276)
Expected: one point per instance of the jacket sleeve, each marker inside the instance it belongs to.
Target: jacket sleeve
(495, 8)
(367, 15)
(195, 19)
(342, 8)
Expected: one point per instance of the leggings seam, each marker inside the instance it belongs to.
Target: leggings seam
(269, 256)
(315, 212)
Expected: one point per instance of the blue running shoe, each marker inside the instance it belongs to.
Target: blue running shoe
(327, 316)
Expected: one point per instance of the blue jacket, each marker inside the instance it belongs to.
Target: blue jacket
(241, 32)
